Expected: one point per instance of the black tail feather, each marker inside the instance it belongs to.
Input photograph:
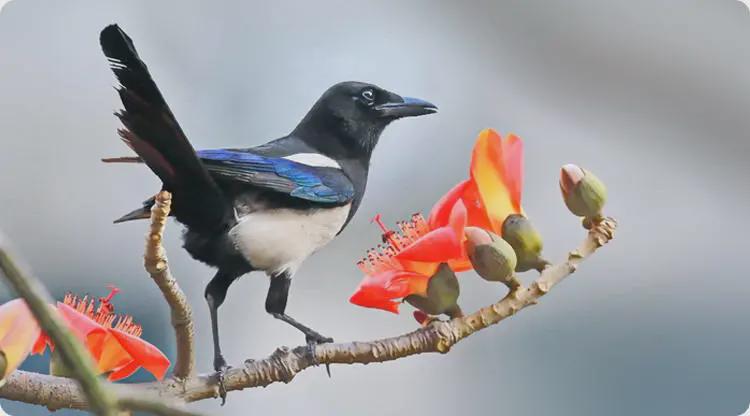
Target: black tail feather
(152, 131)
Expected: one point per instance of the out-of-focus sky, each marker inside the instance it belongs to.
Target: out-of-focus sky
(652, 95)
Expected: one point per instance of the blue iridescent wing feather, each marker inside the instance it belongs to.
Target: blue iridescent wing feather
(312, 183)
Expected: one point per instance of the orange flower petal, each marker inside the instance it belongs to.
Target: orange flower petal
(87, 330)
(388, 305)
(460, 265)
(146, 355)
(378, 291)
(19, 331)
(402, 284)
(95, 343)
(467, 193)
(438, 245)
(41, 344)
(477, 215)
(513, 161)
(441, 211)
(441, 244)
(490, 174)
(427, 269)
(125, 371)
(112, 355)
(458, 219)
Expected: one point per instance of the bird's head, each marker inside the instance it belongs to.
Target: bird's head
(355, 113)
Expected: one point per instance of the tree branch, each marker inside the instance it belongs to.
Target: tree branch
(284, 364)
(155, 407)
(75, 358)
(155, 262)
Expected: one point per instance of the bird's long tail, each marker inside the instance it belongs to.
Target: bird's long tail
(152, 131)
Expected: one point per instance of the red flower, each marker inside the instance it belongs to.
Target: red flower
(493, 190)
(113, 340)
(405, 262)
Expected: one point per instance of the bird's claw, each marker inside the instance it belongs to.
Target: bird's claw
(429, 320)
(312, 341)
(222, 387)
(221, 368)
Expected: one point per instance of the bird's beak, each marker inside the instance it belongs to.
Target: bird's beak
(405, 107)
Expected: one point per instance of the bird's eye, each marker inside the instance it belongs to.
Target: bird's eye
(368, 95)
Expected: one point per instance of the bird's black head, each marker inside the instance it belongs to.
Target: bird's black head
(354, 114)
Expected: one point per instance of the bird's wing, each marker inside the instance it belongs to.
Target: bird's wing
(322, 184)
(152, 131)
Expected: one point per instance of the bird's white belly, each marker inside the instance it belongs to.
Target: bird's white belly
(280, 239)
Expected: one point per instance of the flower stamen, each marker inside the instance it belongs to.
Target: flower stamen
(104, 312)
(382, 257)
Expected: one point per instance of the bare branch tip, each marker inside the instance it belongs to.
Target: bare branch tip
(164, 198)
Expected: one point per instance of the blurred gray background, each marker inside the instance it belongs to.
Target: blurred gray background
(652, 95)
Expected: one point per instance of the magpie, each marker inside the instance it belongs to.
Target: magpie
(265, 208)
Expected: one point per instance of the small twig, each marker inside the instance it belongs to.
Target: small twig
(155, 262)
(153, 406)
(74, 356)
(284, 364)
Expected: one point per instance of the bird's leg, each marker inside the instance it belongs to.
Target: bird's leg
(216, 292)
(276, 305)
(311, 336)
(213, 307)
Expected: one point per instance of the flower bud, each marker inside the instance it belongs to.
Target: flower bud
(526, 242)
(582, 191)
(492, 257)
(442, 294)
(3, 366)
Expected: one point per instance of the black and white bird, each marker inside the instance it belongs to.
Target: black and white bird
(264, 208)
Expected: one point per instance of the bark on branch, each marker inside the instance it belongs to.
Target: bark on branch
(155, 262)
(153, 406)
(285, 363)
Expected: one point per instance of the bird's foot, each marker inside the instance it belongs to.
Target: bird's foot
(313, 339)
(221, 367)
(429, 320)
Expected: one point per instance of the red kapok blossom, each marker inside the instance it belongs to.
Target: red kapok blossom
(113, 340)
(493, 190)
(406, 260)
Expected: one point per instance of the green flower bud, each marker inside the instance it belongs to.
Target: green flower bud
(442, 294)
(526, 242)
(492, 257)
(582, 191)
(3, 367)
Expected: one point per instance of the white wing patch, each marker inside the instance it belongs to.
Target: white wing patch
(313, 159)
